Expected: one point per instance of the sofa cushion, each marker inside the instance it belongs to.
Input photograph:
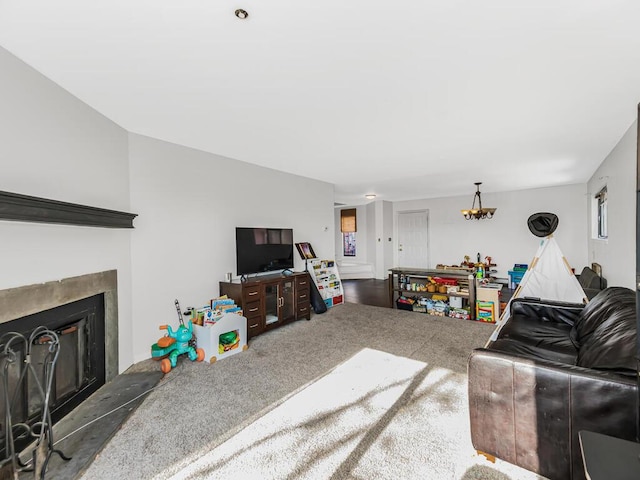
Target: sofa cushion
(543, 324)
(540, 332)
(605, 332)
(589, 279)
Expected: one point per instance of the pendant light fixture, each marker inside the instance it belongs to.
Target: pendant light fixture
(479, 212)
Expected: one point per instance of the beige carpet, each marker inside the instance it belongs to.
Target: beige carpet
(357, 393)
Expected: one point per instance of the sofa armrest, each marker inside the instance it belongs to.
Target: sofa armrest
(529, 412)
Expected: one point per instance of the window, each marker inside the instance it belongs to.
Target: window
(348, 227)
(349, 244)
(601, 210)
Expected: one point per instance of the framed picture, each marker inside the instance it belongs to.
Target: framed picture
(305, 250)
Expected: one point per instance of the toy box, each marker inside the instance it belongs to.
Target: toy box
(404, 303)
(455, 302)
(485, 312)
(438, 308)
(224, 338)
(445, 281)
(419, 308)
(462, 313)
(515, 277)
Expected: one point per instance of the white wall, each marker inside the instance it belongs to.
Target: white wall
(364, 222)
(189, 204)
(506, 237)
(388, 238)
(368, 235)
(54, 146)
(617, 254)
(383, 238)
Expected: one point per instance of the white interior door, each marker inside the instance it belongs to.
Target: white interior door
(413, 239)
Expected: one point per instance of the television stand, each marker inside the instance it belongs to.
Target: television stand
(270, 301)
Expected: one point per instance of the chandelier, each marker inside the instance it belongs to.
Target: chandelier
(479, 212)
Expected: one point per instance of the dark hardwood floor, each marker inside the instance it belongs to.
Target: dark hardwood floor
(367, 291)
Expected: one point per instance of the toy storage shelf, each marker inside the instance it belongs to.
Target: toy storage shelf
(327, 279)
(421, 277)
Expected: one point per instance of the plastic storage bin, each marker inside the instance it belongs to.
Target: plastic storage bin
(515, 277)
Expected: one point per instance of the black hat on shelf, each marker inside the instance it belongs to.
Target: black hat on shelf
(543, 223)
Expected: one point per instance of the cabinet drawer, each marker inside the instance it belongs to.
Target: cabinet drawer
(302, 281)
(304, 311)
(303, 296)
(254, 326)
(251, 293)
(252, 309)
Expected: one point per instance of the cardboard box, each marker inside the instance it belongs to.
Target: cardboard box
(455, 302)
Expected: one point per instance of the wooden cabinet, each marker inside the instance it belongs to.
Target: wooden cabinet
(303, 297)
(270, 301)
(412, 282)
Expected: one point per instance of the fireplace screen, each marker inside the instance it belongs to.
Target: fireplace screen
(79, 370)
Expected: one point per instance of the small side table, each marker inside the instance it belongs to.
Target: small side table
(609, 458)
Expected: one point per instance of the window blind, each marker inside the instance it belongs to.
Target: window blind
(348, 220)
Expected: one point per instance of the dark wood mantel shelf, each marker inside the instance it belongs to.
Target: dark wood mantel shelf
(24, 208)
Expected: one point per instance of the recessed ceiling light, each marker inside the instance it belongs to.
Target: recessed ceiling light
(241, 14)
(370, 196)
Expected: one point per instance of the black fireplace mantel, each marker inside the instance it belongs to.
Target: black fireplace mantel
(24, 208)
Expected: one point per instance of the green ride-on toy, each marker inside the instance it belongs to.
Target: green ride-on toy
(175, 343)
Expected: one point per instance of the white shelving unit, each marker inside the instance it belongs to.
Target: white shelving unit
(326, 277)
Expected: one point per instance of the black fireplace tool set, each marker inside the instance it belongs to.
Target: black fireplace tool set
(16, 364)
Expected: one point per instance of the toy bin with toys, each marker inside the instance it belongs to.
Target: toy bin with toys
(223, 338)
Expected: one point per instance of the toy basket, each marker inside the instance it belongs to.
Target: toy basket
(404, 305)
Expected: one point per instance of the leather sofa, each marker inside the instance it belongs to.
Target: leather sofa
(591, 282)
(555, 369)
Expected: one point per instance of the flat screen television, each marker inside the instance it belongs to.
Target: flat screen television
(263, 249)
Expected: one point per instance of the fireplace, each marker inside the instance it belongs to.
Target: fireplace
(80, 367)
(82, 311)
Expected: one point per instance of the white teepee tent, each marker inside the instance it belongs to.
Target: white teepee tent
(549, 277)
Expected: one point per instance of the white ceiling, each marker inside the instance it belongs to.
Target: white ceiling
(405, 99)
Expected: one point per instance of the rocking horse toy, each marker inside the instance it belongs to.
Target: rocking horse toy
(176, 343)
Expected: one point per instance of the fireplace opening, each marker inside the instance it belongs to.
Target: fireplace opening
(79, 370)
